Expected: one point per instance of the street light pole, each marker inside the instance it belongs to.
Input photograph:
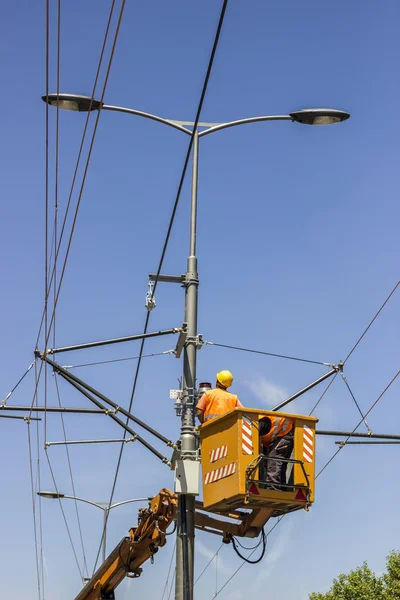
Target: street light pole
(188, 439)
(105, 509)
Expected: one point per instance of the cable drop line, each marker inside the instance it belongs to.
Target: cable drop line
(169, 571)
(355, 401)
(208, 564)
(323, 394)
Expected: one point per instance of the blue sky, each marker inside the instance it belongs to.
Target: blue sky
(297, 245)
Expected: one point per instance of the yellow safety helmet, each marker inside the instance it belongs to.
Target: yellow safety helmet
(225, 378)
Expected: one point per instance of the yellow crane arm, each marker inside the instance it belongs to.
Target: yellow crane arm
(143, 542)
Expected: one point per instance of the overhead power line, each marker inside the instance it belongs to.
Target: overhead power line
(372, 321)
(358, 424)
(167, 237)
(115, 360)
(17, 384)
(306, 360)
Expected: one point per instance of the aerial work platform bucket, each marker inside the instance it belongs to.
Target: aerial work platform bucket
(233, 464)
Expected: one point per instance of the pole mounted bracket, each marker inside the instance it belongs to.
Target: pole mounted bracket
(338, 368)
(197, 340)
(181, 341)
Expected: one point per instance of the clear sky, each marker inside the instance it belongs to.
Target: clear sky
(297, 244)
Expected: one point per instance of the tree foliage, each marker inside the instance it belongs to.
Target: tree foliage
(363, 584)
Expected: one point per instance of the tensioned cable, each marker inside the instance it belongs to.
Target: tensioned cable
(358, 424)
(37, 488)
(355, 401)
(18, 382)
(180, 186)
(34, 511)
(79, 153)
(172, 584)
(64, 517)
(357, 343)
(306, 360)
(245, 562)
(169, 572)
(85, 567)
(208, 564)
(84, 177)
(372, 321)
(115, 360)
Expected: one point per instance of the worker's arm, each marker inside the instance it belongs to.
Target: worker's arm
(201, 407)
(200, 415)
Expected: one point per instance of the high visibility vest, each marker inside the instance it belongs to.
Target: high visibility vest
(280, 426)
(218, 403)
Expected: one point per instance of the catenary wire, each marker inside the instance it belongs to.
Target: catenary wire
(208, 564)
(83, 178)
(172, 584)
(244, 562)
(357, 343)
(171, 222)
(315, 362)
(37, 488)
(34, 512)
(64, 516)
(78, 520)
(358, 424)
(169, 572)
(372, 321)
(79, 153)
(115, 360)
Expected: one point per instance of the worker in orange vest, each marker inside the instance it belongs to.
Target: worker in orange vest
(217, 402)
(276, 441)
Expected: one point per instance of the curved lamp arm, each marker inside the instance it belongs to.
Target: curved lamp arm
(133, 500)
(244, 122)
(84, 500)
(140, 113)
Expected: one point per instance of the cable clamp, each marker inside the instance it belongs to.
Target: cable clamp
(196, 339)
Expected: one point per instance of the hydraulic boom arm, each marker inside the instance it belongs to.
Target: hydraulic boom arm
(143, 542)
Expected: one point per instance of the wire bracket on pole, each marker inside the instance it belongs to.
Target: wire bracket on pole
(150, 298)
(197, 340)
(181, 341)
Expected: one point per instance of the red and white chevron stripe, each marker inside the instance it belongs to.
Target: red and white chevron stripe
(218, 453)
(220, 473)
(247, 439)
(308, 444)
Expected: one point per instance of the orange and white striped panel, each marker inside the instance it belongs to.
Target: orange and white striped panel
(220, 473)
(308, 444)
(218, 453)
(247, 438)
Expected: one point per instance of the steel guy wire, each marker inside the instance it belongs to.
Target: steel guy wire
(83, 177)
(34, 511)
(315, 362)
(171, 222)
(169, 571)
(115, 360)
(85, 567)
(18, 382)
(357, 426)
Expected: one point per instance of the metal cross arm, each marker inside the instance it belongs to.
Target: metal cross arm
(335, 369)
(90, 392)
(128, 338)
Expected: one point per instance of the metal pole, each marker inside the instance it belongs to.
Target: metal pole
(185, 517)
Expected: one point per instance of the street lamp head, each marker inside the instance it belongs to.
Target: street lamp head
(72, 102)
(50, 495)
(319, 116)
